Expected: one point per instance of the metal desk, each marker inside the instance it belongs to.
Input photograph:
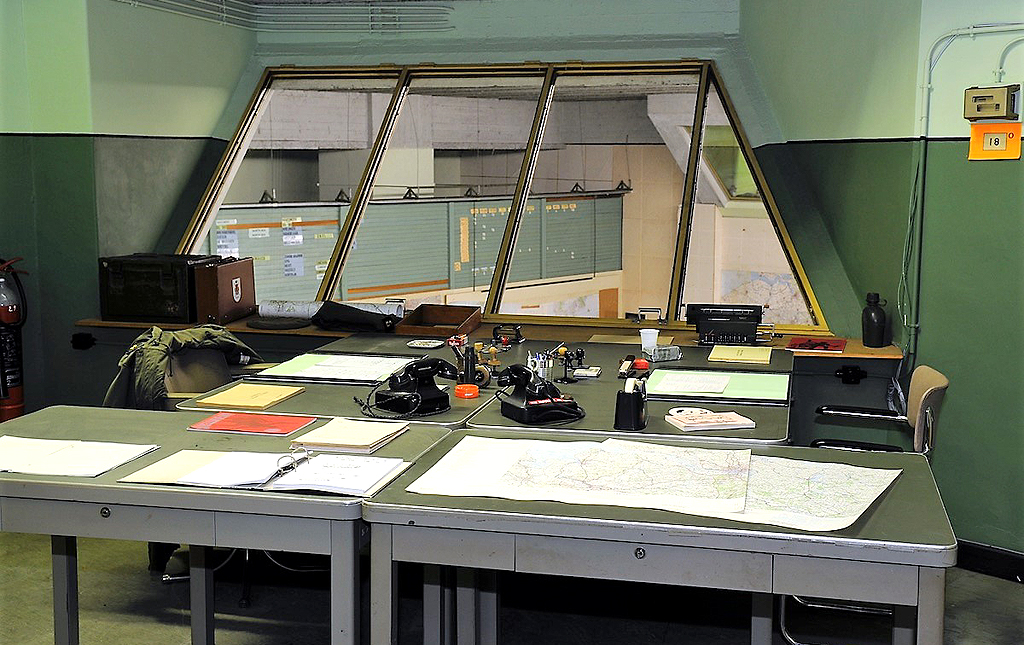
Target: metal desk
(896, 553)
(70, 507)
(597, 396)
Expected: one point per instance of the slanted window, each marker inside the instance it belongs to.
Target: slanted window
(736, 247)
(539, 192)
(598, 234)
(441, 198)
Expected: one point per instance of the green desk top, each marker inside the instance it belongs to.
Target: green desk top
(326, 400)
(607, 355)
(169, 431)
(597, 397)
(907, 524)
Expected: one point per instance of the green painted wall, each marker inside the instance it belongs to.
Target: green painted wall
(805, 220)
(837, 69)
(14, 111)
(157, 73)
(17, 221)
(862, 190)
(48, 215)
(47, 88)
(972, 313)
(967, 61)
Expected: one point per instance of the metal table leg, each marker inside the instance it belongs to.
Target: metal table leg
(383, 601)
(345, 582)
(437, 605)
(466, 608)
(201, 594)
(64, 550)
(761, 618)
(487, 604)
(925, 625)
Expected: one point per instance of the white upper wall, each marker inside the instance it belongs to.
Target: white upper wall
(968, 60)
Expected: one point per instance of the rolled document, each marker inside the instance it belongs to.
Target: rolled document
(306, 310)
(289, 309)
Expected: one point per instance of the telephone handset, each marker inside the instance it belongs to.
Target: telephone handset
(525, 381)
(535, 400)
(411, 390)
(407, 377)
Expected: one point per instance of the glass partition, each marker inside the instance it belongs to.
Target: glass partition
(735, 251)
(302, 159)
(597, 239)
(364, 183)
(439, 205)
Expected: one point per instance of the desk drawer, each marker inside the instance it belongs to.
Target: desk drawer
(116, 521)
(300, 535)
(847, 580)
(479, 549)
(686, 566)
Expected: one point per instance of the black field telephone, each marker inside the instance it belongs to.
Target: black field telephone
(411, 390)
(535, 400)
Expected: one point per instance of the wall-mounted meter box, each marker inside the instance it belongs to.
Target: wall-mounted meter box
(995, 102)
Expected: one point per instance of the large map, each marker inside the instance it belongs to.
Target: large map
(810, 495)
(688, 480)
(725, 483)
(779, 292)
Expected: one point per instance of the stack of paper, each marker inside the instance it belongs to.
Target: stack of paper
(62, 457)
(350, 435)
(698, 419)
(740, 354)
(250, 396)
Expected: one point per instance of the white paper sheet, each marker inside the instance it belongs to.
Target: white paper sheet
(66, 457)
(367, 368)
(680, 382)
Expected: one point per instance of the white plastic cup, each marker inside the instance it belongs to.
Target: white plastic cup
(648, 340)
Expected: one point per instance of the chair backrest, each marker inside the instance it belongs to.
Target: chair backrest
(927, 387)
(196, 370)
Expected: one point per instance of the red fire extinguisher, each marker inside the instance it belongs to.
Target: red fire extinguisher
(12, 318)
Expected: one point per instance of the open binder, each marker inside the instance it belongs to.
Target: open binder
(356, 475)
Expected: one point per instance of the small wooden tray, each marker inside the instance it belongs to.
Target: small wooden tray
(439, 320)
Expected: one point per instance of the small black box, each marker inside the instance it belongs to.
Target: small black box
(150, 287)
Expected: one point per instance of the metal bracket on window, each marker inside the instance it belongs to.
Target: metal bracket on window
(641, 315)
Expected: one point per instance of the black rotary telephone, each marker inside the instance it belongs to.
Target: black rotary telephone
(411, 390)
(535, 400)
